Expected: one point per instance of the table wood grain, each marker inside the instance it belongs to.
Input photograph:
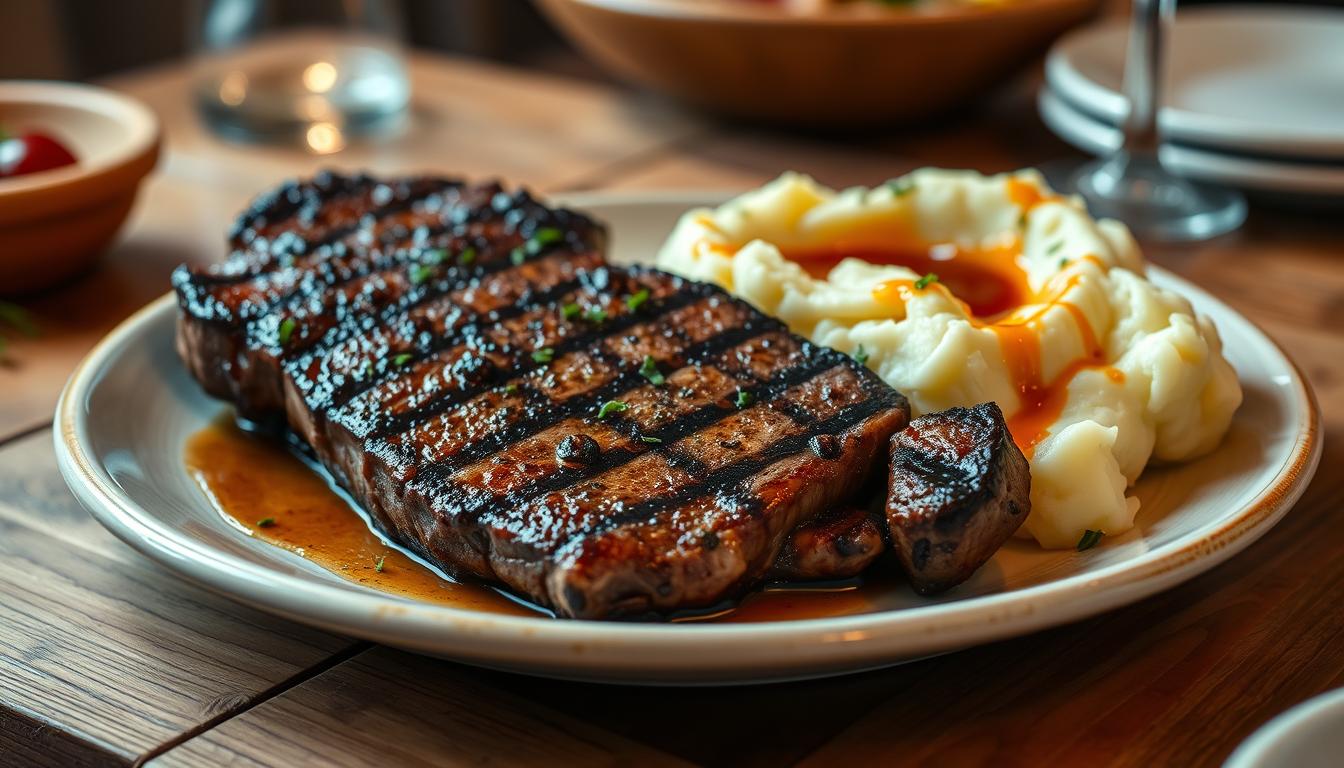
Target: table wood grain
(118, 656)
(424, 713)
(108, 659)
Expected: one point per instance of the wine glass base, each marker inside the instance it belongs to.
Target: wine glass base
(1152, 202)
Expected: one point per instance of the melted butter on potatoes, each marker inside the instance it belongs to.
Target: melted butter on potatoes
(1035, 306)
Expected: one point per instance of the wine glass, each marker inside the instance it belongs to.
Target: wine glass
(313, 70)
(1131, 185)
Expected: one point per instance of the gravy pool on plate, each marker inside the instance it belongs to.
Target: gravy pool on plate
(266, 491)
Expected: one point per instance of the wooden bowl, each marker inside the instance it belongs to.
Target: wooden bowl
(54, 224)
(862, 64)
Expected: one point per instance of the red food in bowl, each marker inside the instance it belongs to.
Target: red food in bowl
(32, 152)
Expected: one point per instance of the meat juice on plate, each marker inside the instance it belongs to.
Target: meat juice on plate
(266, 491)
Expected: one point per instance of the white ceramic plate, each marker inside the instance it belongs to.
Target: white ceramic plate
(1310, 735)
(130, 406)
(1098, 138)
(1266, 80)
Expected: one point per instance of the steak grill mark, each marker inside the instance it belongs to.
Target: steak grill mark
(727, 482)
(262, 256)
(691, 422)
(490, 260)
(471, 333)
(517, 214)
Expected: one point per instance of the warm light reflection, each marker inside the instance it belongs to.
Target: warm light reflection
(233, 88)
(319, 76)
(325, 138)
(315, 109)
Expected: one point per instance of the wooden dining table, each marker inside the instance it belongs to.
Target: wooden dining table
(109, 659)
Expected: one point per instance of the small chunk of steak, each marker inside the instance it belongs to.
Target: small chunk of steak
(959, 488)
(838, 544)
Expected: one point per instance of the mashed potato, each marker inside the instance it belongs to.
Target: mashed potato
(959, 288)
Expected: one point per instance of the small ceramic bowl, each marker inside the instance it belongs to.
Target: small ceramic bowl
(857, 63)
(1310, 735)
(54, 224)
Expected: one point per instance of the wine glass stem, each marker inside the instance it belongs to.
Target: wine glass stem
(1143, 74)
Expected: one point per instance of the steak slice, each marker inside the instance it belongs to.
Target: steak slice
(604, 441)
(838, 544)
(959, 488)
(318, 256)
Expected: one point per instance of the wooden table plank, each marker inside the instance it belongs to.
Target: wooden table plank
(388, 707)
(733, 726)
(105, 657)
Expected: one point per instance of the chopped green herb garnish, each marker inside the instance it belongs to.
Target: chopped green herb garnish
(649, 370)
(744, 398)
(266, 522)
(651, 440)
(1090, 539)
(610, 407)
(570, 311)
(402, 359)
(378, 566)
(636, 300)
(861, 355)
(517, 256)
(436, 256)
(1063, 263)
(367, 370)
(595, 315)
(467, 256)
(901, 187)
(544, 237)
(1054, 248)
(924, 281)
(419, 273)
(286, 330)
(510, 389)
(543, 355)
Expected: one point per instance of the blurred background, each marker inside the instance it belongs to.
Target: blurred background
(83, 39)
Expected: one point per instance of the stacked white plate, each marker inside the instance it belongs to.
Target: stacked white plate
(1254, 96)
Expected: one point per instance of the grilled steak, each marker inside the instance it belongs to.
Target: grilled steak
(959, 488)
(837, 544)
(605, 441)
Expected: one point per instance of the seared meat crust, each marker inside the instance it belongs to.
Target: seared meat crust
(959, 488)
(838, 544)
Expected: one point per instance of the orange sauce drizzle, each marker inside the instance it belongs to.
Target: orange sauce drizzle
(991, 287)
(1026, 196)
(1042, 402)
(250, 479)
